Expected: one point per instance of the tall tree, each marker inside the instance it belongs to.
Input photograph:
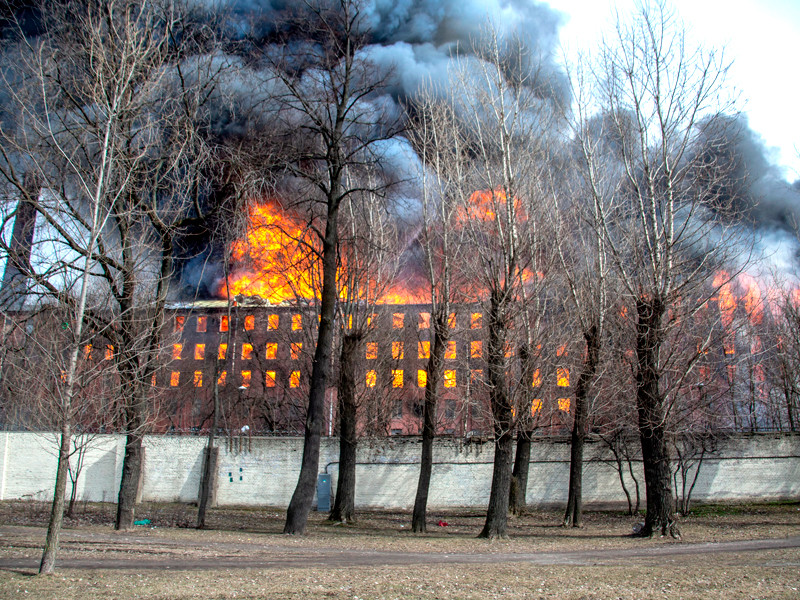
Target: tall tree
(491, 152)
(435, 135)
(368, 250)
(585, 270)
(666, 224)
(322, 89)
(110, 119)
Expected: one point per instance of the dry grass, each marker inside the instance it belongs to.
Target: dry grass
(157, 560)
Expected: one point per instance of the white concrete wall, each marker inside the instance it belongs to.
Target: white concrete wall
(263, 471)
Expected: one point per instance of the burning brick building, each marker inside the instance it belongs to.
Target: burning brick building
(257, 357)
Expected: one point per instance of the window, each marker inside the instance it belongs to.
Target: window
(297, 322)
(199, 351)
(424, 320)
(398, 409)
(247, 351)
(475, 376)
(294, 379)
(179, 322)
(87, 351)
(562, 350)
(202, 324)
(451, 320)
(476, 321)
(397, 350)
(249, 323)
(371, 318)
(269, 380)
(246, 379)
(371, 378)
(563, 404)
(176, 351)
(272, 322)
(349, 321)
(110, 352)
(450, 409)
(449, 378)
(729, 346)
(476, 349)
(271, 351)
(537, 378)
(562, 377)
(397, 320)
(397, 378)
(450, 352)
(223, 323)
(297, 349)
(222, 379)
(223, 351)
(198, 379)
(422, 378)
(424, 349)
(508, 349)
(174, 378)
(372, 350)
(536, 406)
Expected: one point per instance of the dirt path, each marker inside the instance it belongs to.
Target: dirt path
(149, 553)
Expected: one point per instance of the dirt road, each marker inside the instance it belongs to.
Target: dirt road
(97, 550)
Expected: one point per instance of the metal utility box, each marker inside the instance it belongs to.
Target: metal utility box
(323, 492)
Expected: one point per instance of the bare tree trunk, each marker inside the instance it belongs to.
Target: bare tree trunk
(131, 479)
(57, 509)
(574, 497)
(497, 512)
(303, 497)
(652, 426)
(419, 516)
(519, 476)
(80, 454)
(345, 500)
(210, 461)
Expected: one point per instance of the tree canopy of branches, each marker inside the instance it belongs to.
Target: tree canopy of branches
(323, 90)
(106, 116)
(665, 225)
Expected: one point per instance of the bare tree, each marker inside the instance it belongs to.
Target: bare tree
(368, 252)
(51, 372)
(585, 268)
(667, 227)
(493, 149)
(324, 89)
(110, 124)
(440, 147)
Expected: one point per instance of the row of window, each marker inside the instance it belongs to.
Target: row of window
(295, 349)
(270, 351)
(270, 381)
(273, 322)
(476, 375)
(371, 378)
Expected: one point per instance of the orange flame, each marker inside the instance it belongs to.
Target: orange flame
(274, 260)
(753, 304)
(484, 205)
(725, 298)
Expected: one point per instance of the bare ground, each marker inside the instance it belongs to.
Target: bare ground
(742, 551)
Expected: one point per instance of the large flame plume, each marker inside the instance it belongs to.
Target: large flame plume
(275, 260)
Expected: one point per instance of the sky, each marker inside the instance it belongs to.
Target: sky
(761, 38)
